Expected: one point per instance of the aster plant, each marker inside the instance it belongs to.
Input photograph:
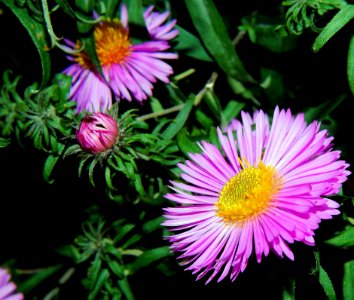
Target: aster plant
(165, 149)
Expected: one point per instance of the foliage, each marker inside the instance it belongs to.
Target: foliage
(255, 56)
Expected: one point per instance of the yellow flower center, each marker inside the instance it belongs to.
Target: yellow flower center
(248, 193)
(112, 44)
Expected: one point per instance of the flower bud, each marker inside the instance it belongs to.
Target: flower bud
(97, 132)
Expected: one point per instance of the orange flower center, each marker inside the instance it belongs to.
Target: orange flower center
(112, 44)
(248, 193)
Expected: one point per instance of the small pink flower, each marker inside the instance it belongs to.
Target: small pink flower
(8, 288)
(129, 69)
(98, 132)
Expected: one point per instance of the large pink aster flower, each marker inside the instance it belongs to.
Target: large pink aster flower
(129, 70)
(264, 189)
(8, 288)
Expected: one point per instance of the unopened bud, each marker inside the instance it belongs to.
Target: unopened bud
(98, 132)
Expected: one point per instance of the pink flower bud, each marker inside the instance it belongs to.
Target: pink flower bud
(98, 132)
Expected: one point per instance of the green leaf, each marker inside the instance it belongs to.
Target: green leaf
(341, 18)
(123, 230)
(48, 167)
(37, 278)
(185, 143)
(212, 30)
(327, 285)
(323, 110)
(4, 142)
(232, 110)
(37, 32)
(268, 32)
(115, 267)
(135, 12)
(147, 258)
(350, 64)
(102, 278)
(324, 279)
(124, 286)
(343, 239)
(190, 45)
(348, 280)
(289, 290)
(180, 120)
(155, 104)
(153, 225)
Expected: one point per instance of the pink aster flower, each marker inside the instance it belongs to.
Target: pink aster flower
(98, 132)
(266, 187)
(129, 70)
(8, 288)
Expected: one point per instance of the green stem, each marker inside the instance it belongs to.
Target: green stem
(48, 22)
(161, 113)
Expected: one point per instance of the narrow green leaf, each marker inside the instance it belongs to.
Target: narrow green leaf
(136, 12)
(350, 64)
(212, 30)
(289, 290)
(232, 110)
(115, 267)
(327, 285)
(323, 110)
(138, 184)
(190, 45)
(185, 144)
(343, 239)
(37, 32)
(348, 280)
(102, 278)
(153, 225)
(37, 278)
(132, 240)
(4, 142)
(48, 167)
(204, 119)
(340, 19)
(123, 230)
(147, 258)
(324, 279)
(124, 286)
(108, 177)
(180, 120)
